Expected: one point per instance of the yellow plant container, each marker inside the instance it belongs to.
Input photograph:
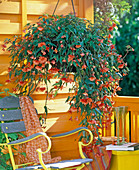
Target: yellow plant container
(125, 160)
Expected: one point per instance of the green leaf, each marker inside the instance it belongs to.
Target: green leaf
(67, 99)
(6, 89)
(13, 136)
(14, 148)
(23, 153)
(81, 137)
(1, 92)
(46, 110)
(12, 94)
(55, 93)
(21, 134)
(81, 106)
(98, 111)
(31, 87)
(89, 82)
(2, 168)
(59, 37)
(40, 118)
(6, 156)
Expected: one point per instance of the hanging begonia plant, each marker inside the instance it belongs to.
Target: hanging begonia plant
(57, 45)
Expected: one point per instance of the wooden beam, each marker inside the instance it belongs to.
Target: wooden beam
(89, 10)
(10, 28)
(39, 9)
(32, 8)
(10, 7)
(54, 106)
(24, 14)
(8, 18)
(81, 8)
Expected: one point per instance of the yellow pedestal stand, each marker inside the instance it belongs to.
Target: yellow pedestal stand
(125, 160)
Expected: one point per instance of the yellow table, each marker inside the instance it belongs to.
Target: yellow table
(125, 160)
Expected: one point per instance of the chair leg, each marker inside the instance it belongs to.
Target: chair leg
(77, 168)
(80, 167)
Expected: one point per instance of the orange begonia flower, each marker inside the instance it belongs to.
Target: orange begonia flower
(70, 57)
(73, 109)
(55, 50)
(22, 83)
(24, 69)
(9, 69)
(64, 61)
(113, 25)
(85, 94)
(111, 28)
(40, 28)
(53, 62)
(84, 66)
(82, 54)
(38, 68)
(47, 48)
(78, 46)
(61, 45)
(84, 101)
(29, 52)
(92, 78)
(42, 89)
(63, 36)
(42, 60)
(41, 44)
(93, 105)
(53, 70)
(121, 66)
(36, 62)
(8, 81)
(98, 103)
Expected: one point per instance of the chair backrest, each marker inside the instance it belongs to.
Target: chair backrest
(11, 120)
(10, 111)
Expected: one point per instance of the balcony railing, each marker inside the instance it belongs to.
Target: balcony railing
(131, 122)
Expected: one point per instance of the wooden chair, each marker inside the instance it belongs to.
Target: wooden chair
(7, 127)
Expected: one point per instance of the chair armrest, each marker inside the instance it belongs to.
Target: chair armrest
(69, 132)
(73, 132)
(29, 138)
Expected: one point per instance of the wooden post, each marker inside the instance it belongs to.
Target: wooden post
(81, 9)
(24, 14)
(89, 10)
